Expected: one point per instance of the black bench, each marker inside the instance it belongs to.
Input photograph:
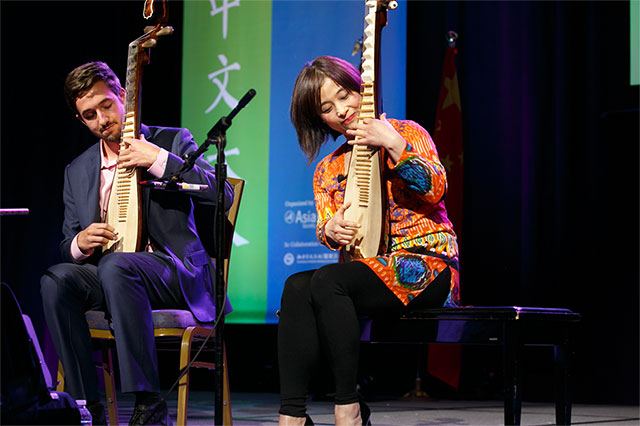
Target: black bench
(510, 327)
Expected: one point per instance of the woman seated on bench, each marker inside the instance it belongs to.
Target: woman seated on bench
(320, 308)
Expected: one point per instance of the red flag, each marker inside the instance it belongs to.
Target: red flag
(448, 137)
(443, 361)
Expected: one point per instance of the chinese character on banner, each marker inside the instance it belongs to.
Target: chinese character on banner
(222, 85)
(443, 361)
(224, 9)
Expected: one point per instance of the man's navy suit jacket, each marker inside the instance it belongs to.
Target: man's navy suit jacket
(168, 219)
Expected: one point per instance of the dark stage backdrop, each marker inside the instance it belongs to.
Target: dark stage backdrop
(551, 166)
(550, 152)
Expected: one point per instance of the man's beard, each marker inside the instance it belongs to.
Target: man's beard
(112, 137)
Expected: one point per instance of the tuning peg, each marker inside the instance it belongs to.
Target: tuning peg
(150, 43)
(165, 31)
(392, 4)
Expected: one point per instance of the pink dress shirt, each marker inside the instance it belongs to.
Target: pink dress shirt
(107, 171)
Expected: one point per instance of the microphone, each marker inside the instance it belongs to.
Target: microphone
(219, 128)
(341, 177)
(225, 122)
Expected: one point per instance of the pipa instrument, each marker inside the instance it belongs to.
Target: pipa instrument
(366, 189)
(124, 211)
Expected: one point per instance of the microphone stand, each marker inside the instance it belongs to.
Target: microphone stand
(221, 177)
(218, 135)
(220, 290)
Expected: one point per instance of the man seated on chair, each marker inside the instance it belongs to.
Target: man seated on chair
(172, 270)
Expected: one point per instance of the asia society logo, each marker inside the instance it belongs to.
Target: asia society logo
(289, 216)
(300, 217)
(289, 259)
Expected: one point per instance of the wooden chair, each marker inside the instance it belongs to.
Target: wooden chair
(175, 326)
(510, 328)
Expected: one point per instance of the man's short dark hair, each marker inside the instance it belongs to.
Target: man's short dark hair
(82, 78)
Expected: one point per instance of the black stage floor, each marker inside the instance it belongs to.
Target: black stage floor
(262, 409)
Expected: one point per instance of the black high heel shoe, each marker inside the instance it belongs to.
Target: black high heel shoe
(365, 413)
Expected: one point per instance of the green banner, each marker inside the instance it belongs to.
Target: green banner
(226, 52)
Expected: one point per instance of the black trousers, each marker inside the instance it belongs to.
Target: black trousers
(320, 312)
(127, 286)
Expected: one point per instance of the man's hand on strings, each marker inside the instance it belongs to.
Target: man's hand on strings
(138, 153)
(96, 235)
(339, 230)
(378, 133)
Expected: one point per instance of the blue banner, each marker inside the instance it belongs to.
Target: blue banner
(303, 30)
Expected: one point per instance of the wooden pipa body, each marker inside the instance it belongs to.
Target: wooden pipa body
(124, 211)
(366, 189)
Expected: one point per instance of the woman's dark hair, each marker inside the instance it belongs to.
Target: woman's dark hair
(83, 77)
(305, 100)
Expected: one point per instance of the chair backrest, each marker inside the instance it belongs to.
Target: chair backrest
(232, 217)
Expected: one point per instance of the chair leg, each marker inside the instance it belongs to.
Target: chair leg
(60, 386)
(183, 384)
(226, 409)
(109, 384)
